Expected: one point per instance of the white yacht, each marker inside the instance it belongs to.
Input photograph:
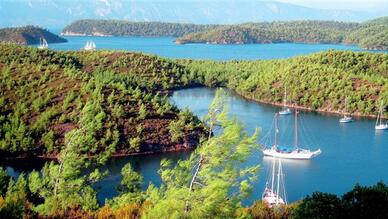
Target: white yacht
(42, 43)
(289, 152)
(346, 119)
(272, 195)
(380, 125)
(90, 46)
(285, 110)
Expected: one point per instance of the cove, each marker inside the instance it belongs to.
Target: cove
(351, 153)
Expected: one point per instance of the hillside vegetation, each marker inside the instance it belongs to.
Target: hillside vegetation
(321, 81)
(28, 35)
(371, 35)
(112, 98)
(127, 28)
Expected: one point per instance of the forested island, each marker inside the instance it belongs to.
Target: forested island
(28, 35)
(82, 108)
(371, 35)
(126, 28)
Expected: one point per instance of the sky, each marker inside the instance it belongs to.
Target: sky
(359, 5)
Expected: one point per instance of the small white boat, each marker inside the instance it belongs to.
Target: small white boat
(42, 43)
(272, 196)
(379, 121)
(293, 152)
(90, 46)
(346, 119)
(286, 110)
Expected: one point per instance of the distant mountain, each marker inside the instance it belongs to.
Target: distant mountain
(57, 13)
(28, 35)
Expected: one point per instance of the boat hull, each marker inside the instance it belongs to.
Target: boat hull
(285, 112)
(299, 154)
(271, 198)
(381, 127)
(346, 120)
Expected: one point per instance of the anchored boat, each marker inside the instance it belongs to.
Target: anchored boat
(90, 46)
(271, 195)
(286, 110)
(346, 119)
(42, 43)
(379, 121)
(293, 152)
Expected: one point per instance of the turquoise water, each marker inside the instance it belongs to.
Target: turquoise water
(351, 153)
(165, 46)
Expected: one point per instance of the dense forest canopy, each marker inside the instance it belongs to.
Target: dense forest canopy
(370, 35)
(324, 81)
(28, 35)
(127, 28)
(113, 97)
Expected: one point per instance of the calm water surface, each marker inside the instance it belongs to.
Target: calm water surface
(165, 46)
(351, 153)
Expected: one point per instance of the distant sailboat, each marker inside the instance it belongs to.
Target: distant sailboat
(379, 121)
(42, 43)
(346, 119)
(294, 152)
(271, 195)
(286, 110)
(90, 46)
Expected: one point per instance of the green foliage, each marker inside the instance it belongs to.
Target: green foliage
(4, 180)
(131, 181)
(320, 81)
(371, 34)
(320, 205)
(15, 201)
(134, 144)
(15, 135)
(215, 188)
(126, 28)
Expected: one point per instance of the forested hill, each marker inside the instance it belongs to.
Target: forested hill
(126, 28)
(331, 81)
(28, 35)
(108, 100)
(370, 35)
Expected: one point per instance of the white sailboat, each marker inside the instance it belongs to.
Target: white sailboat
(286, 110)
(42, 43)
(293, 152)
(271, 195)
(90, 46)
(346, 119)
(379, 121)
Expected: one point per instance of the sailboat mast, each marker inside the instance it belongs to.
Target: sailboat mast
(296, 129)
(285, 97)
(273, 174)
(278, 184)
(276, 129)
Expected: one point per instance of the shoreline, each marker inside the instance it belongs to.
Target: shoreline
(304, 108)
